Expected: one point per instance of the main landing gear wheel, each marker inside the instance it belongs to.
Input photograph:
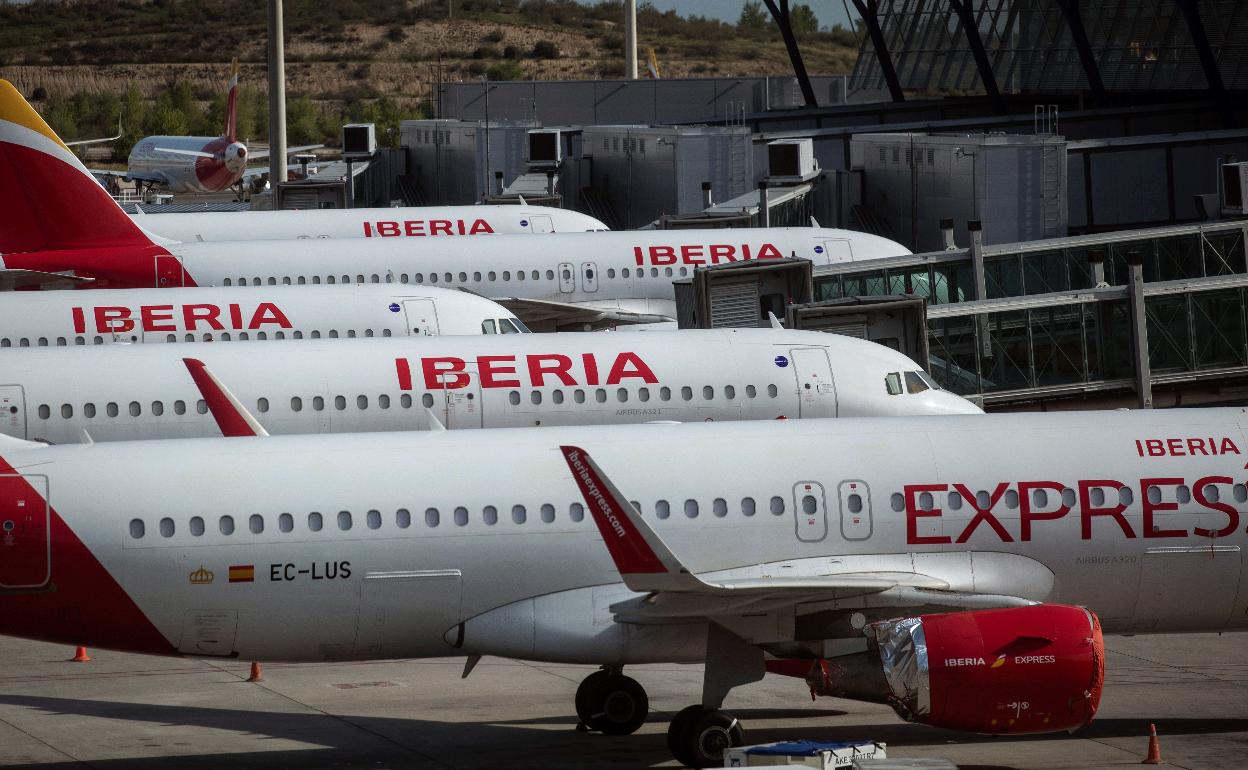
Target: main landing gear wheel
(699, 736)
(611, 703)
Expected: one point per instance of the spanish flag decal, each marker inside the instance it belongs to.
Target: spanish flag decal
(242, 573)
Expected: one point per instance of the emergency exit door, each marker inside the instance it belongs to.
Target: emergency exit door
(811, 511)
(542, 224)
(422, 317)
(461, 406)
(589, 276)
(855, 502)
(168, 271)
(837, 251)
(816, 390)
(567, 278)
(25, 547)
(13, 411)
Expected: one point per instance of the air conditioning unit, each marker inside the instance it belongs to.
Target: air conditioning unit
(545, 148)
(791, 161)
(359, 140)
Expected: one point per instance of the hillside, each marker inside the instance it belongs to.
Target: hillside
(347, 56)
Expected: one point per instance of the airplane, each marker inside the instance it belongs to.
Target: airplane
(126, 392)
(72, 234)
(406, 222)
(962, 569)
(197, 164)
(223, 314)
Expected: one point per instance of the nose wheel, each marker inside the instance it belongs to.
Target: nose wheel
(698, 736)
(611, 703)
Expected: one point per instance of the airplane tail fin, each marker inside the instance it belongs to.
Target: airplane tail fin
(50, 200)
(231, 104)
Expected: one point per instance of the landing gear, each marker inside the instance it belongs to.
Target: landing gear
(698, 736)
(611, 703)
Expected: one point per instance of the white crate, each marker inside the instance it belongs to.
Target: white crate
(824, 756)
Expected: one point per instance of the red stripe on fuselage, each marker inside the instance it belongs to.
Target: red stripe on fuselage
(84, 604)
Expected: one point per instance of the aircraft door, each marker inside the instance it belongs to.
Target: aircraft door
(834, 252)
(12, 411)
(567, 278)
(407, 613)
(855, 500)
(25, 545)
(589, 276)
(1171, 576)
(168, 271)
(461, 407)
(422, 317)
(541, 224)
(816, 389)
(811, 511)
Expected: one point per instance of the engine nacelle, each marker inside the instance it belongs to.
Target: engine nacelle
(1019, 670)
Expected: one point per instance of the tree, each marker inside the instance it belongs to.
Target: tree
(803, 20)
(753, 18)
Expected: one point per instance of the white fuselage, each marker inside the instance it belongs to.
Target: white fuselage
(630, 270)
(398, 223)
(125, 392)
(405, 544)
(222, 314)
(190, 173)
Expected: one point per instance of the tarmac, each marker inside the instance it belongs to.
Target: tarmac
(130, 711)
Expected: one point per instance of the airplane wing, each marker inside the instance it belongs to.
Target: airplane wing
(262, 154)
(28, 279)
(538, 313)
(647, 565)
(154, 177)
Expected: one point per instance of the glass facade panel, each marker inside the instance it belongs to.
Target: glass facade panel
(1057, 344)
(1008, 366)
(1218, 329)
(1169, 338)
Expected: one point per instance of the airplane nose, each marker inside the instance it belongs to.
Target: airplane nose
(950, 403)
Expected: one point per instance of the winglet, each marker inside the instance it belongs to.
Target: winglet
(643, 560)
(775, 322)
(435, 425)
(232, 417)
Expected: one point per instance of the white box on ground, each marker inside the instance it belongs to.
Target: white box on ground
(822, 755)
(927, 763)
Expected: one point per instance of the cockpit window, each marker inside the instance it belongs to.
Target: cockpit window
(488, 326)
(915, 383)
(512, 326)
(931, 383)
(892, 381)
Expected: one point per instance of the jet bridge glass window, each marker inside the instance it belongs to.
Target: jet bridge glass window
(747, 506)
(892, 383)
(576, 512)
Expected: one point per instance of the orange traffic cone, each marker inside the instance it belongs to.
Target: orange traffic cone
(255, 673)
(80, 655)
(1154, 747)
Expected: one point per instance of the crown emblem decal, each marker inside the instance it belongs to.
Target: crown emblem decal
(202, 576)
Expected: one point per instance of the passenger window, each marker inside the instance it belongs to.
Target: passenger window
(892, 383)
(383, 401)
(296, 404)
(535, 397)
(67, 411)
(1068, 497)
(318, 403)
(926, 502)
(667, 271)
(361, 402)
(137, 529)
(855, 502)
(432, 517)
(344, 520)
(158, 408)
(777, 506)
(621, 395)
(255, 523)
(166, 527)
(426, 400)
(665, 393)
(719, 507)
(88, 409)
(111, 409)
(403, 517)
(476, 277)
(493, 276)
(1039, 498)
(1125, 495)
(1183, 494)
(262, 404)
(730, 392)
(955, 501)
(691, 508)
(340, 402)
(578, 396)
(809, 505)
(983, 499)
(576, 512)
(226, 525)
(772, 391)
(1011, 498)
(463, 277)
(285, 522)
(708, 392)
(197, 526)
(514, 398)
(1098, 495)
(625, 272)
(489, 514)
(518, 514)
(315, 521)
(686, 393)
(548, 513)
(333, 334)
(506, 275)
(643, 394)
(662, 509)
(461, 516)
(610, 272)
(600, 395)
(201, 406)
(747, 506)
(373, 519)
(556, 396)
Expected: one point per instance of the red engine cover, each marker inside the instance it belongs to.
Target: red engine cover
(1019, 670)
